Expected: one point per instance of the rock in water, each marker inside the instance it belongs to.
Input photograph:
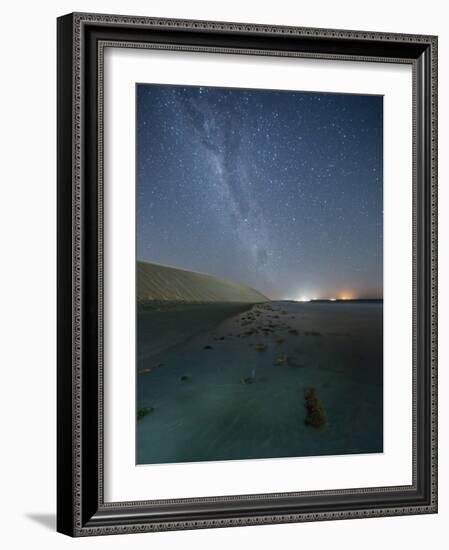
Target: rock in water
(145, 411)
(145, 371)
(281, 360)
(315, 416)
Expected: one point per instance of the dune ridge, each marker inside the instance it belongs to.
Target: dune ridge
(163, 283)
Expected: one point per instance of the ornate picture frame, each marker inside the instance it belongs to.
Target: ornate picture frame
(81, 507)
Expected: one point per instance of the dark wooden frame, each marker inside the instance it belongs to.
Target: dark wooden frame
(81, 509)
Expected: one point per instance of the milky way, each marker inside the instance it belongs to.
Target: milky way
(278, 190)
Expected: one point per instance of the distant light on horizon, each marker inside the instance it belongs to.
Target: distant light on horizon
(303, 299)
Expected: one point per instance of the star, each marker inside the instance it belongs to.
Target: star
(265, 187)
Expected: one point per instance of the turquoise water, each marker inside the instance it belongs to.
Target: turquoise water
(227, 381)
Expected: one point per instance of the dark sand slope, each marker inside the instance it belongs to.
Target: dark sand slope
(216, 383)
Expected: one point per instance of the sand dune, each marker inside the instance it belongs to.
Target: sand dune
(161, 283)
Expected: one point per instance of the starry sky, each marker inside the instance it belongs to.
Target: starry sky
(278, 190)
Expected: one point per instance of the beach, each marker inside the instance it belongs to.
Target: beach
(227, 381)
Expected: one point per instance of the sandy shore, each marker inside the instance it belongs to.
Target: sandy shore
(217, 382)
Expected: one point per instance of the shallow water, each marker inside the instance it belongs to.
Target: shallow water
(217, 386)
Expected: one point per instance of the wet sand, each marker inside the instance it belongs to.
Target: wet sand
(228, 381)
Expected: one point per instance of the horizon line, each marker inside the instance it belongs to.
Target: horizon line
(251, 287)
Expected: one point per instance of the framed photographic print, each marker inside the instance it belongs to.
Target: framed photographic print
(247, 289)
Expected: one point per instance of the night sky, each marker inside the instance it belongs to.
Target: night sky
(278, 190)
